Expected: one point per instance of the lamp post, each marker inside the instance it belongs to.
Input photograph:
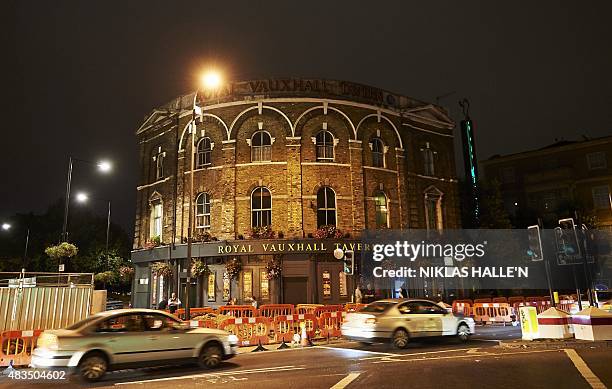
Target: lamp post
(103, 166)
(211, 80)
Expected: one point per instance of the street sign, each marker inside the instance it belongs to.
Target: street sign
(61, 267)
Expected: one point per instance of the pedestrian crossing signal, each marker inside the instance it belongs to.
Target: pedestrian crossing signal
(535, 243)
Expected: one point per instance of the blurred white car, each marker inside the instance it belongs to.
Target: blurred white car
(399, 320)
(130, 338)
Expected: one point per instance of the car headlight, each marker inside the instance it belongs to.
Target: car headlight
(232, 339)
(370, 321)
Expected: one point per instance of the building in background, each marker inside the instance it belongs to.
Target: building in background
(565, 179)
(285, 172)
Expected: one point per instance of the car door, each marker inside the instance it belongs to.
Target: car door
(167, 340)
(123, 336)
(412, 319)
(432, 317)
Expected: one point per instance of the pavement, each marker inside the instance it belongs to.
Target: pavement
(433, 363)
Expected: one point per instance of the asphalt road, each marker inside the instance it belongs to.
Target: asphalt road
(430, 364)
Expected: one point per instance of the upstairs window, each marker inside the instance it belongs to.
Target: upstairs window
(261, 147)
(326, 207)
(261, 207)
(601, 197)
(597, 160)
(382, 211)
(204, 150)
(325, 146)
(428, 160)
(156, 221)
(158, 158)
(433, 209)
(203, 211)
(378, 153)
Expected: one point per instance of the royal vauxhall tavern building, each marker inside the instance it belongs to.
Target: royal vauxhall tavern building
(284, 172)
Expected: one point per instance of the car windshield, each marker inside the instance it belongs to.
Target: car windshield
(379, 306)
(83, 322)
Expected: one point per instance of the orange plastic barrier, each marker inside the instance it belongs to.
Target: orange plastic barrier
(516, 299)
(353, 307)
(492, 313)
(202, 324)
(287, 325)
(467, 301)
(238, 310)
(462, 308)
(272, 310)
(329, 324)
(327, 308)
(180, 313)
(17, 346)
(482, 300)
(540, 305)
(307, 308)
(249, 330)
(499, 300)
(566, 305)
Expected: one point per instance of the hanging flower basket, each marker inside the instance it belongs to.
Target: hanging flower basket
(162, 269)
(126, 272)
(200, 268)
(233, 268)
(273, 269)
(327, 232)
(264, 232)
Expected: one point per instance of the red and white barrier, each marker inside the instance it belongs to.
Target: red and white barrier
(592, 324)
(554, 323)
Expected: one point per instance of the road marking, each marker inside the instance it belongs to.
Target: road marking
(421, 353)
(343, 383)
(359, 351)
(387, 360)
(216, 375)
(584, 369)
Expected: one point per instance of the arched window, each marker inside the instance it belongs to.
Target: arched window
(378, 153)
(261, 207)
(156, 218)
(203, 211)
(204, 151)
(325, 146)
(261, 147)
(326, 207)
(382, 212)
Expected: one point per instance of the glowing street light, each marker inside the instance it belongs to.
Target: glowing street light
(211, 80)
(105, 166)
(6, 226)
(82, 197)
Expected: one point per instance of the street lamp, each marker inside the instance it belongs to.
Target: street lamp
(6, 226)
(103, 166)
(210, 80)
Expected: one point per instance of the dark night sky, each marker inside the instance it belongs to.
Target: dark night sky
(86, 72)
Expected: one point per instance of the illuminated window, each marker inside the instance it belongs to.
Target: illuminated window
(382, 212)
(156, 222)
(428, 160)
(203, 211)
(261, 147)
(326, 207)
(378, 153)
(261, 207)
(325, 146)
(204, 151)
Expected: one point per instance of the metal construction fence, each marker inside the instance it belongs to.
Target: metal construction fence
(31, 301)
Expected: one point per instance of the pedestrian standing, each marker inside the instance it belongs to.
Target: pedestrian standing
(163, 304)
(173, 303)
(358, 295)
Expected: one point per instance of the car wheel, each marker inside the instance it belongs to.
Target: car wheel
(92, 367)
(463, 333)
(210, 357)
(401, 338)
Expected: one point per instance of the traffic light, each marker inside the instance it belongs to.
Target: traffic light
(568, 240)
(535, 243)
(349, 262)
